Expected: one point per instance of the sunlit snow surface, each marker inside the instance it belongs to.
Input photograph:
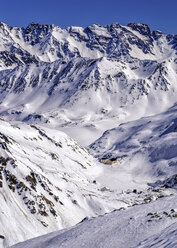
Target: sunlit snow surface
(145, 149)
(147, 225)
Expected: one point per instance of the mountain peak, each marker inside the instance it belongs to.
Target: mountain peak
(141, 28)
(37, 26)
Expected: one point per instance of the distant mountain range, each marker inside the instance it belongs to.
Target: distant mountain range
(48, 73)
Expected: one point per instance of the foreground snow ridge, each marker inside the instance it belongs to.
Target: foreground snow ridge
(147, 225)
(88, 136)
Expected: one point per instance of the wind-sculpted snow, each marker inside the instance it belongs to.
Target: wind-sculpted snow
(165, 238)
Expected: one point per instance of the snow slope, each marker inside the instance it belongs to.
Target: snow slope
(147, 225)
(144, 149)
(43, 175)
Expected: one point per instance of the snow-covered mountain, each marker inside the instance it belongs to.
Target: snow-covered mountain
(120, 80)
(49, 43)
(101, 71)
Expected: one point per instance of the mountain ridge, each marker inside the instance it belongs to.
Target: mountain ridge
(104, 69)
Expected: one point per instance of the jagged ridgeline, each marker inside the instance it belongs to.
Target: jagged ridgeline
(98, 68)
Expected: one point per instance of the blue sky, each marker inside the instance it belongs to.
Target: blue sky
(158, 14)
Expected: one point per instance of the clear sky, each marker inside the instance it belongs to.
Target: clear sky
(158, 14)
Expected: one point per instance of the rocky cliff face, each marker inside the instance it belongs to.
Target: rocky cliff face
(49, 43)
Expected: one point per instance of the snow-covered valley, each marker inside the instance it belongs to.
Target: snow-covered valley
(88, 121)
